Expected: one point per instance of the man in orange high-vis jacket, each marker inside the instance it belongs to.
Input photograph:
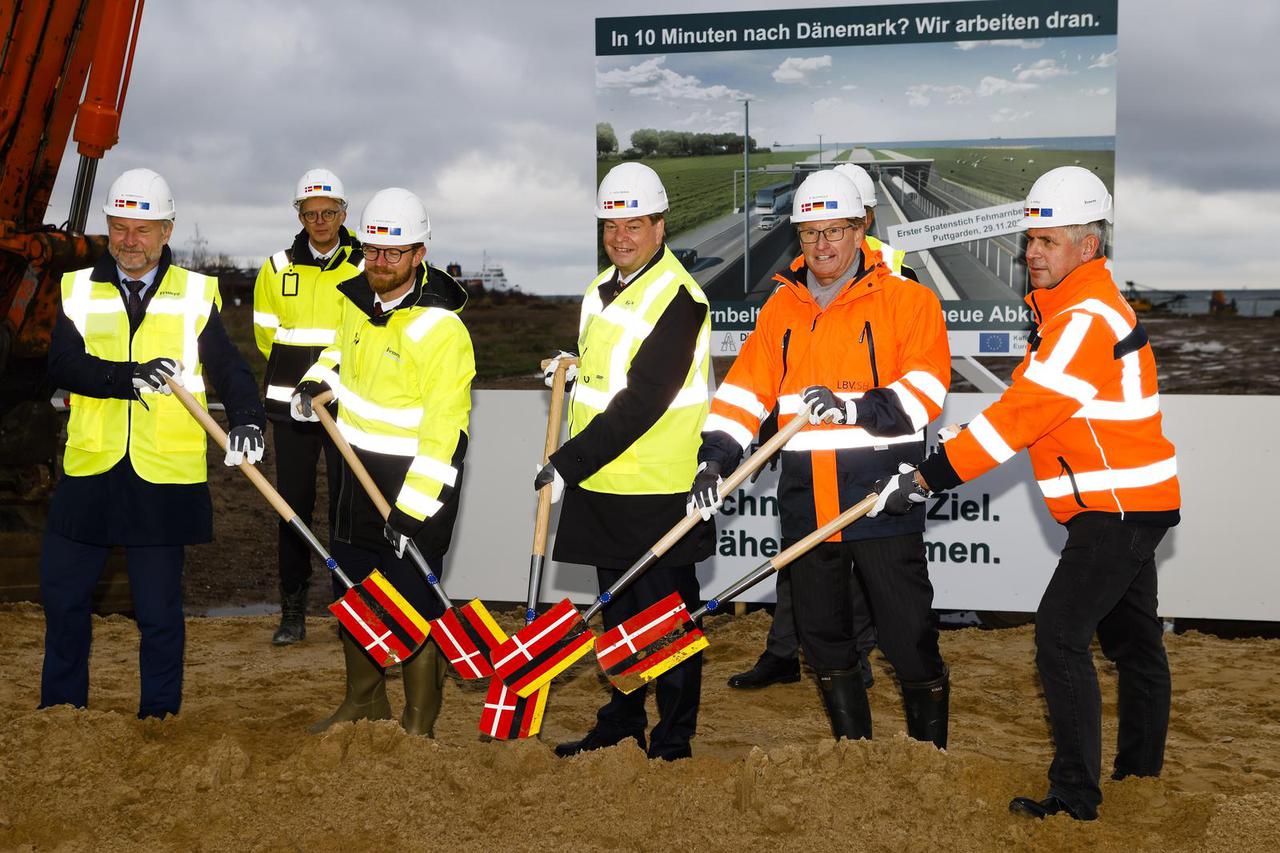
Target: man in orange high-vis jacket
(868, 348)
(1085, 404)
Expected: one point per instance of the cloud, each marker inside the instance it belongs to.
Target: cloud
(991, 86)
(921, 95)
(1025, 44)
(823, 105)
(1042, 69)
(795, 69)
(849, 87)
(1101, 91)
(1104, 60)
(651, 78)
(1005, 115)
(711, 120)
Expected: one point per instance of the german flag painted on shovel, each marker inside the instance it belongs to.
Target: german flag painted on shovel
(630, 651)
(467, 635)
(508, 717)
(531, 658)
(381, 620)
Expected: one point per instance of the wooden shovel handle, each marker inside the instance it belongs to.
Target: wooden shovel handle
(554, 417)
(220, 438)
(755, 462)
(318, 404)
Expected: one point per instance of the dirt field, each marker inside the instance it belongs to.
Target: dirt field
(236, 769)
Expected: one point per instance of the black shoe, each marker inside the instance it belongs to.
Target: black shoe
(1050, 805)
(770, 669)
(594, 739)
(293, 617)
(672, 753)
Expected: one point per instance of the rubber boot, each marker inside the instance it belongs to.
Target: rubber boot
(366, 697)
(926, 704)
(846, 699)
(293, 616)
(423, 690)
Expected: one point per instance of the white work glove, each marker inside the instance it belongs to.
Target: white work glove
(149, 376)
(300, 408)
(244, 443)
(827, 408)
(704, 495)
(949, 432)
(899, 494)
(547, 474)
(549, 373)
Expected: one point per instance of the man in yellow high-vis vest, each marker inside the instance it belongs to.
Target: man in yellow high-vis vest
(134, 467)
(636, 409)
(296, 308)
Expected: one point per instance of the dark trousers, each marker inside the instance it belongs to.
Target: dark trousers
(784, 642)
(357, 561)
(1105, 582)
(69, 571)
(894, 573)
(679, 689)
(297, 448)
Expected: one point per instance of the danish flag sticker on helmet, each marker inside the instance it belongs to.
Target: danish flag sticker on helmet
(1067, 195)
(319, 183)
(395, 217)
(630, 190)
(139, 194)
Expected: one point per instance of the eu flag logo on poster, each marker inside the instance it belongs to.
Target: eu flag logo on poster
(993, 342)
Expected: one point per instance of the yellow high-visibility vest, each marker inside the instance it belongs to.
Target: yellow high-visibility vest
(891, 256)
(164, 443)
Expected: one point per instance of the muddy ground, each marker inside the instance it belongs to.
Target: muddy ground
(236, 770)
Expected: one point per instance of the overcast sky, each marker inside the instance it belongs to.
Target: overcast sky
(487, 110)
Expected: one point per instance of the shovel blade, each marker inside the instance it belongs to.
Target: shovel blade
(544, 648)
(648, 644)
(381, 620)
(468, 636)
(508, 717)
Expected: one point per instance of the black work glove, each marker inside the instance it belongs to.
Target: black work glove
(150, 375)
(704, 495)
(244, 442)
(400, 528)
(827, 407)
(899, 494)
(547, 474)
(300, 403)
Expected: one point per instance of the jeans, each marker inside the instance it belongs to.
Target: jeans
(1105, 582)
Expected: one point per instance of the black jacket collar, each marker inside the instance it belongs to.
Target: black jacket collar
(300, 252)
(432, 288)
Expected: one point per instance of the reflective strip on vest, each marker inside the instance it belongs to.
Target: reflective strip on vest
(306, 337)
(417, 501)
(742, 398)
(990, 440)
(435, 469)
(279, 393)
(280, 260)
(265, 320)
(845, 438)
(915, 410)
(1109, 479)
(386, 444)
(406, 418)
(737, 431)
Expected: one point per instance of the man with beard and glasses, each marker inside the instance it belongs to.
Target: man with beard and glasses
(401, 370)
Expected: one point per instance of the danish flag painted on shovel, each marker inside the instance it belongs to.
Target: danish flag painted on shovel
(543, 649)
(631, 655)
(467, 635)
(508, 717)
(381, 620)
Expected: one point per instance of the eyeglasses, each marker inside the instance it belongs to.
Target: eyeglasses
(391, 256)
(834, 234)
(314, 216)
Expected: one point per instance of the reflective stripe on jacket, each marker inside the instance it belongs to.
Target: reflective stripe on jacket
(892, 257)
(296, 309)
(165, 444)
(1086, 404)
(881, 342)
(664, 459)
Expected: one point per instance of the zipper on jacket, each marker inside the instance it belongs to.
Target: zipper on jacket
(786, 342)
(1075, 490)
(869, 339)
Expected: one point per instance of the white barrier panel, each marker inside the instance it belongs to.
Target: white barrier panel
(992, 544)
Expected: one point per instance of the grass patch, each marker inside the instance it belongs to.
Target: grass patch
(1010, 171)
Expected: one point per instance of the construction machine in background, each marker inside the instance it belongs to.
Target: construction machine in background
(53, 53)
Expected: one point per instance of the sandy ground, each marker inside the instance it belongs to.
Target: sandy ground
(236, 769)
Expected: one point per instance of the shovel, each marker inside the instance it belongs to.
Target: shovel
(373, 612)
(556, 640)
(656, 639)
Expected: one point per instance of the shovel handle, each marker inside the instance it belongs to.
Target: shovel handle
(554, 416)
(348, 452)
(684, 525)
(256, 477)
(791, 554)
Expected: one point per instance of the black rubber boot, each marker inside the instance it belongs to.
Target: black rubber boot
(926, 704)
(1049, 806)
(423, 690)
(595, 739)
(769, 669)
(293, 616)
(846, 701)
(366, 697)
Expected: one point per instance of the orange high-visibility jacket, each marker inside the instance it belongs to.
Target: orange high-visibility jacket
(881, 342)
(1085, 403)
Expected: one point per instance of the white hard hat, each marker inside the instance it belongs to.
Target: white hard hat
(139, 194)
(629, 190)
(862, 180)
(319, 183)
(395, 217)
(1067, 195)
(827, 195)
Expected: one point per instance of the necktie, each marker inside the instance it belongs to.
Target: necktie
(135, 300)
(377, 308)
